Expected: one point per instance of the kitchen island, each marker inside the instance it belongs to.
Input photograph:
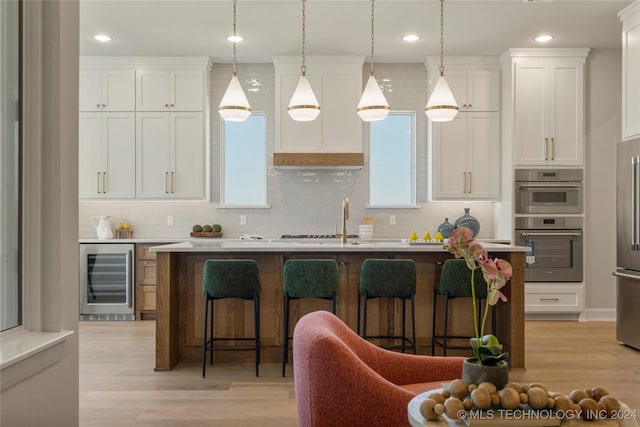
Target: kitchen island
(180, 303)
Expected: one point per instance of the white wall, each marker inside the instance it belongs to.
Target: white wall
(49, 397)
(302, 201)
(603, 132)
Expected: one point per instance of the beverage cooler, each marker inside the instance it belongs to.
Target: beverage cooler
(106, 282)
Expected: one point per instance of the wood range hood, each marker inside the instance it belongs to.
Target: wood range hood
(319, 160)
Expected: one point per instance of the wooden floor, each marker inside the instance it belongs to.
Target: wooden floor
(118, 385)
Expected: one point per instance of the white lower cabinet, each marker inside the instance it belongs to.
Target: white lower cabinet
(554, 297)
(106, 151)
(170, 155)
(465, 157)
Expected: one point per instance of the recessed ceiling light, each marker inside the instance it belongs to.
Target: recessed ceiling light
(543, 38)
(235, 39)
(411, 38)
(102, 38)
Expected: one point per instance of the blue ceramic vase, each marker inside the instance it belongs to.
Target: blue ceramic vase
(446, 228)
(468, 221)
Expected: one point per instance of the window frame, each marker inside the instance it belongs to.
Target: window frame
(413, 204)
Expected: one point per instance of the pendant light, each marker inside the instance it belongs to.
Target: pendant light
(304, 106)
(442, 106)
(234, 106)
(373, 106)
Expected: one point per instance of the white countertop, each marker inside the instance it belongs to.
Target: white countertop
(279, 245)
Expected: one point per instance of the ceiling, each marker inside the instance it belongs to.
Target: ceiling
(270, 27)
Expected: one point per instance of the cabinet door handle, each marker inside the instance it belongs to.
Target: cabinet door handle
(470, 105)
(464, 177)
(98, 105)
(166, 105)
(469, 182)
(104, 105)
(104, 182)
(553, 148)
(550, 299)
(166, 182)
(546, 148)
(98, 183)
(173, 182)
(173, 105)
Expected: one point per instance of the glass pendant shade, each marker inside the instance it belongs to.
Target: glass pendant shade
(304, 106)
(442, 106)
(373, 105)
(234, 106)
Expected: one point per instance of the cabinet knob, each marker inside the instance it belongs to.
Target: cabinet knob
(98, 105)
(104, 105)
(172, 105)
(464, 105)
(166, 105)
(470, 105)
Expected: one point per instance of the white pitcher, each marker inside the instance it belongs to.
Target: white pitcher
(102, 226)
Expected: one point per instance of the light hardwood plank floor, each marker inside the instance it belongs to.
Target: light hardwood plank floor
(118, 385)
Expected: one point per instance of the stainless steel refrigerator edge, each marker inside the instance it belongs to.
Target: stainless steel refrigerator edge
(628, 244)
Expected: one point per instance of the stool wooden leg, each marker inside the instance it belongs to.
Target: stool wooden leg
(204, 339)
(413, 322)
(256, 326)
(333, 302)
(446, 324)
(404, 321)
(433, 325)
(285, 334)
(364, 317)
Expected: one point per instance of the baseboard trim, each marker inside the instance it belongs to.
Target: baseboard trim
(600, 314)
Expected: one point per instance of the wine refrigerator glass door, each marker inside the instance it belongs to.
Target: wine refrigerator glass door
(106, 279)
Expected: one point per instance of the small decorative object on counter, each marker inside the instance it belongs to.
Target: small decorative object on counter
(468, 221)
(102, 226)
(124, 230)
(365, 230)
(214, 230)
(446, 228)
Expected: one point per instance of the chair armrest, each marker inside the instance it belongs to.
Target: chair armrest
(401, 368)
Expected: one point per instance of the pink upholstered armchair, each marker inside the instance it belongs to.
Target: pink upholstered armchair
(344, 380)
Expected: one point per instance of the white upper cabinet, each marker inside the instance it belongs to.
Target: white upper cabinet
(337, 83)
(170, 155)
(630, 18)
(169, 90)
(107, 90)
(106, 151)
(473, 89)
(548, 107)
(464, 154)
(465, 157)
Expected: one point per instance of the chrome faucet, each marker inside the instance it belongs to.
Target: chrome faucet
(345, 217)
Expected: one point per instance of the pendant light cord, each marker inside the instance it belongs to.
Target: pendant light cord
(372, 32)
(441, 37)
(235, 68)
(304, 66)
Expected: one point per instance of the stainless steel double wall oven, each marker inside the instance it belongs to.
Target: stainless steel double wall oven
(550, 203)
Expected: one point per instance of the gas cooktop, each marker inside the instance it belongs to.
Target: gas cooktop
(315, 236)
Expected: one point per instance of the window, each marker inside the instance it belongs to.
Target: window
(10, 167)
(392, 161)
(244, 180)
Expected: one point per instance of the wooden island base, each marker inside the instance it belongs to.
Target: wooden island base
(180, 303)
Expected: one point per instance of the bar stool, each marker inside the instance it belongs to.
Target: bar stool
(306, 278)
(391, 278)
(454, 283)
(234, 278)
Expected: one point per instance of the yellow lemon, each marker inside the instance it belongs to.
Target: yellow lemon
(427, 237)
(413, 236)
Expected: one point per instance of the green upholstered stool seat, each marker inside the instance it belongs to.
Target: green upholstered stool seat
(455, 280)
(234, 278)
(391, 278)
(306, 278)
